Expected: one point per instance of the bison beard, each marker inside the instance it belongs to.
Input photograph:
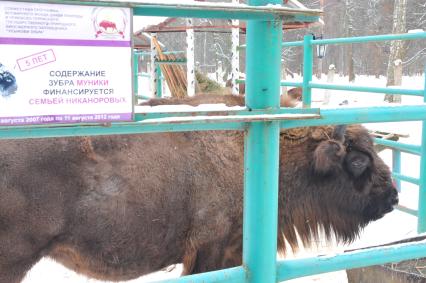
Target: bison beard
(118, 207)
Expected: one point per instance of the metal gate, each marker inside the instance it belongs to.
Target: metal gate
(261, 122)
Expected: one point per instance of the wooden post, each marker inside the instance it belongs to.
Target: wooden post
(154, 90)
(190, 57)
(148, 71)
(235, 74)
(330, 79)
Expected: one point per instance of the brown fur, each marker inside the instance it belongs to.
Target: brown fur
(242, 86)
(228, 100)
(295, 93)
(118, 207)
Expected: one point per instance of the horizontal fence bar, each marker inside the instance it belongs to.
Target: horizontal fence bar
(231, 275)
(294, 268)
(284, 44)
(295, 84)
(227, 118)
(404, 178)
(150, 123)
(328, 117)
(406, 210)
(282, 83)
(148, 53)
(361, 39)
(384, 90)
(201, 10)
(292, 44)
(152, 114)
(408, 148)
(362, 115)
(111, 129)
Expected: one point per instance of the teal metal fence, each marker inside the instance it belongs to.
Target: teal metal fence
(307, 85)
(261, 128)
(158, 75)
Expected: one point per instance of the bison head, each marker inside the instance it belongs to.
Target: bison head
(341, 188)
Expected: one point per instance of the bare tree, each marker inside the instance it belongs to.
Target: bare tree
(397, 46)
(321, 32)
(350, 28)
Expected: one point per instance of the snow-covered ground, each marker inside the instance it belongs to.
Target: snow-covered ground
(394, 226)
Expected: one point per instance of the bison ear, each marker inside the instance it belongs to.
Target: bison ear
(339, 133)
(328, 157)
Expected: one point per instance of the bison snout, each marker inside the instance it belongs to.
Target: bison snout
(391, 201)
(394, 197)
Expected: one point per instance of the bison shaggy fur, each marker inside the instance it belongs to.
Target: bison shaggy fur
(118, 207)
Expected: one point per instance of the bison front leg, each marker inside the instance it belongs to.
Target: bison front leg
(17, 256)
(26, 233)
(14, 273)
(220, 254)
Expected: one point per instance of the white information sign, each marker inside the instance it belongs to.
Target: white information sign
(64, 64)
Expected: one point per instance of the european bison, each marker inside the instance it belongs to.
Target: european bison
(8, 84)
(108, 25)
(118, 207)
(295, 93)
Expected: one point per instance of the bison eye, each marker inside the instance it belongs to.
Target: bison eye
(357, 162)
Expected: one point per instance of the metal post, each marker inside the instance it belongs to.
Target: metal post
(135, 73)
(421, 218)
(261, 150)
(190, 57)
(396, 166)
(308, 58)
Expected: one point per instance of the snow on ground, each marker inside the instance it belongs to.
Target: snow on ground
(393, 226)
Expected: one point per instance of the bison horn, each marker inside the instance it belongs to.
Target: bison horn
(339, 133)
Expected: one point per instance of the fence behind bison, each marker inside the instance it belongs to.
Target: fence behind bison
(396, 147)
(261, 120)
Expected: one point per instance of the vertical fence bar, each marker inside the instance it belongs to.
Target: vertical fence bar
(396, 166)
(135, 73)
(308, 58)
(421, 216)
(261, 150)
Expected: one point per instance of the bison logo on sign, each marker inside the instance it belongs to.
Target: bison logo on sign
(8, 83)
(109, 23)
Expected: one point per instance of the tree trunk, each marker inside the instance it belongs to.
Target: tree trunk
(349, 24)
(397, 46)
(377, 62)
(351, 72)
(321, 32)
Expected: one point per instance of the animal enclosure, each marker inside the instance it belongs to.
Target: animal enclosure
(260, 122)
